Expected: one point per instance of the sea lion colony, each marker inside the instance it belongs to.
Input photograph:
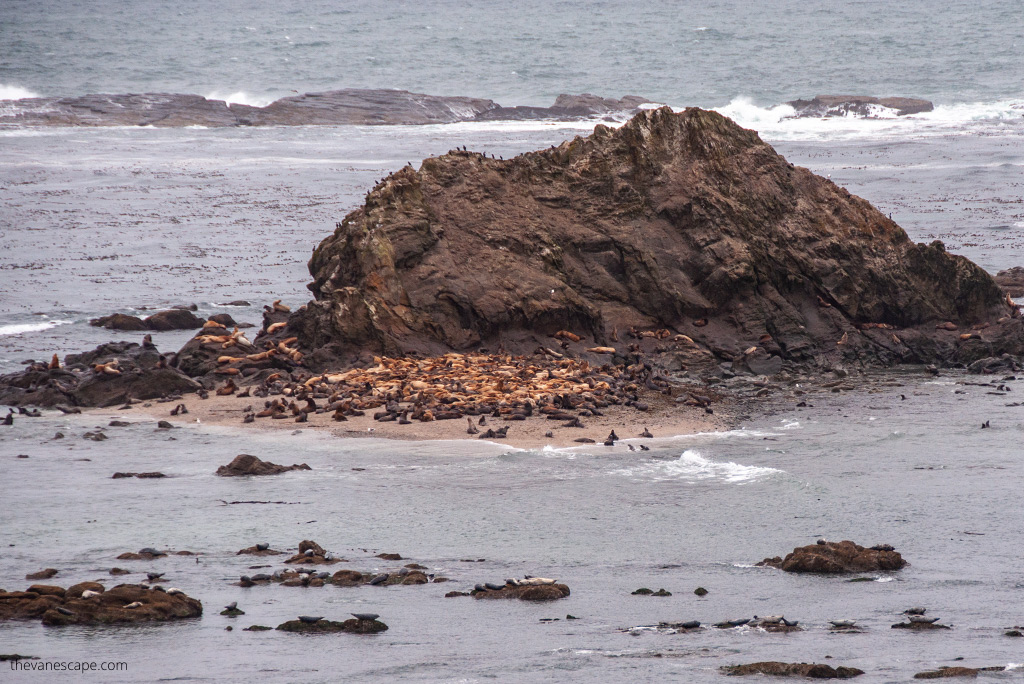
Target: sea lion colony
(451, 386)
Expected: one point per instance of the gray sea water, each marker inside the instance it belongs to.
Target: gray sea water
(129, 219)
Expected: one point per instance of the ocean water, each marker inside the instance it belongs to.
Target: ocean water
(134, 219)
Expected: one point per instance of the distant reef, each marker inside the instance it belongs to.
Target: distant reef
(863, 106)
(333, 108)
(380, 107)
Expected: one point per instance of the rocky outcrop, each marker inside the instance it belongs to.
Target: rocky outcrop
(119, 321)
(171, 319)
(673, 224)
(837, 558)
(1012, 281)
(568, 108)
(858, 105)
(352, 626)
(125, 603)
(351, 106)
(247, 464)
(109, 375)
(540, 592)
(777, 669)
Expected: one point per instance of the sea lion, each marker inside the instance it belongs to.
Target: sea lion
(646, 433)
(843, 623)
(311, 619)
(380, 579)
(262, 546)
(922, 620)
(88, 593)
(54, 363)
(494, 587)
(134, 604)
(365, 616)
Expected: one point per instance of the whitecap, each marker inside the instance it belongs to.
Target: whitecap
(241, 97)
(692, 466)
(22, 328)
(13, 92)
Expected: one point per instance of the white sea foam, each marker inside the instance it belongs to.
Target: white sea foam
(242, 97)
(13, 92)
(777, 123)
(692, 466)
(22, 328)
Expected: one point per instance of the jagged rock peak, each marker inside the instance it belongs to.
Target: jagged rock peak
(680, 221)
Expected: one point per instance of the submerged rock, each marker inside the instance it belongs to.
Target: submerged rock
(944, 672)
(836, 558)
(777, 669)
(674, 224)
(247, 464)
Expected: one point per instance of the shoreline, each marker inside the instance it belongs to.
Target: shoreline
(664, 419)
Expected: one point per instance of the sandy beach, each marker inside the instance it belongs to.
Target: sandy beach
(665, 418)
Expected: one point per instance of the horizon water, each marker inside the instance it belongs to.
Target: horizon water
(131, 219)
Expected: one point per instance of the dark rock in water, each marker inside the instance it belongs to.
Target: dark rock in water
(1012, 281)
(836, 558)
(615, 232)
(147, 109)
(569, 107)
(362, 107)
(996, 364)
(125, 603)
(144, 476)
(42, 574)
(257, 551)
(777, 669)
(643, 591)
(15, 657)
(700, 591)
(224, 319)
(350, 106)
(322, 626)
(944, 672)
(109, 375)
(174, 319)
(257, 628)
(857, 105)
(539, 592)
(390, 556)
(119, 322)
(310, 545)
(246, 464)
(920, 626)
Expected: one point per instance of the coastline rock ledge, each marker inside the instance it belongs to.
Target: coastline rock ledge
(676, 222)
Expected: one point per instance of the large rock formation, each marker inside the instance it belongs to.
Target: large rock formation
(683, 222)
(838, 558)
(858, 105)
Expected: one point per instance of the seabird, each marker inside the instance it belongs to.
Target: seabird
(231, 606)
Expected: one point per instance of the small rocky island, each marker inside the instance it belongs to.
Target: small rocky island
(677, 241)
